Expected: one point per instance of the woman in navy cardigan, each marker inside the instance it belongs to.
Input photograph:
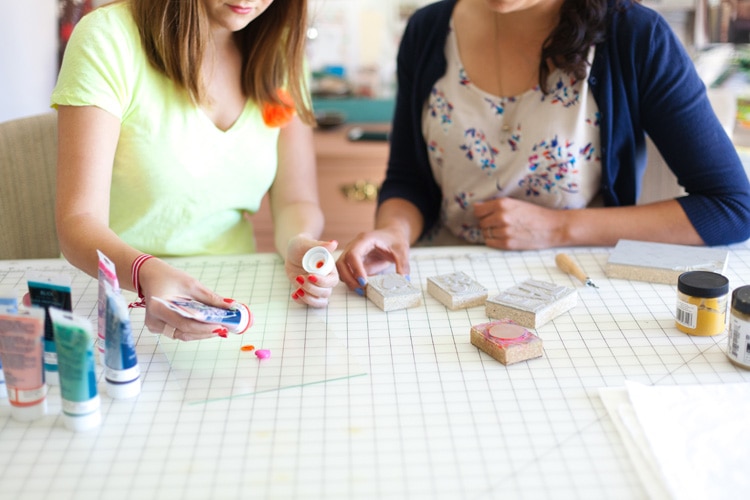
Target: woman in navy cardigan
(521, 124)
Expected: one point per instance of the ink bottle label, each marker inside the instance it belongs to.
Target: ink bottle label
(738, 339)
(701, 303)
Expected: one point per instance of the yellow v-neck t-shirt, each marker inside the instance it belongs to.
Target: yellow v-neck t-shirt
(180, 185)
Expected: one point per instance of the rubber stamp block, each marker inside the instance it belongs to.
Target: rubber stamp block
(532, 303)
(393, 291)
(456, 290)
(662, 262)
(506, 341)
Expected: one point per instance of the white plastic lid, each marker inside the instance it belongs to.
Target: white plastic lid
(52, 378)
(124, 391)
(248, 319)
(83, 422)
(318, 260)
(29, 413)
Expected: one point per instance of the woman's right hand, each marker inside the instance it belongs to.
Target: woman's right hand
(312, 289)
(370, 253)
(159, 279)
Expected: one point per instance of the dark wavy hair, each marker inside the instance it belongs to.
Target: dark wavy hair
(582, 24)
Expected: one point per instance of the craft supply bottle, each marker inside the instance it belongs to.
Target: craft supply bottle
(738, 340)
(701, 303)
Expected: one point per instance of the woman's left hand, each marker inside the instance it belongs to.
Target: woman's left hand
(511, 224)
(311, 289)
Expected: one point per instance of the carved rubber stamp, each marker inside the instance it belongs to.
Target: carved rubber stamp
(456, 290)
(532, 303)
(392, 291)
(662, 262)
(506, 341)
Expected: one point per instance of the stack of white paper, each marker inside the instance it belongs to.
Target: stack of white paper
(686, 442)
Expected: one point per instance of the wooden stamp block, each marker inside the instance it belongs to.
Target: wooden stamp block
(392, 291)
(532, 303)
(506, 341)
(662, 262)
(456, 290)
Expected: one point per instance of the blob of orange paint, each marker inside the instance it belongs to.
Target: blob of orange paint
(247, 348)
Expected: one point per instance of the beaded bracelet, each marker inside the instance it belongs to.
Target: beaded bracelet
(135, 269)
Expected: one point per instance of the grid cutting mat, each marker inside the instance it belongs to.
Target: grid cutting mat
(360, 403)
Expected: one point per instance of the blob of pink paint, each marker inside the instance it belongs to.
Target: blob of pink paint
(263, 353)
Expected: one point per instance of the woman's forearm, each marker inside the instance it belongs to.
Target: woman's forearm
(81, 236)
(400, 215)
(294, 219)
(664, 221)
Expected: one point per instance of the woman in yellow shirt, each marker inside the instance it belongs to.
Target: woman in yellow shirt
(175, 119)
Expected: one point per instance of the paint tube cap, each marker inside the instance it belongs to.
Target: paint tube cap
(124, 391)
(318, 260)
(29, 413)
(52, 378)
(246, 320)
(79, 423)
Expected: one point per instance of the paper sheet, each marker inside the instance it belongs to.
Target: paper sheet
(695, 436)
(621, 411)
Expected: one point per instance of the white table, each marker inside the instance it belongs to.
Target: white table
(359, 403)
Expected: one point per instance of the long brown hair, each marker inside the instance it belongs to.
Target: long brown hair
(175, 34)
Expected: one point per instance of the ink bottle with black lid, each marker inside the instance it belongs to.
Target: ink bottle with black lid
(701, 303)
(738, 340)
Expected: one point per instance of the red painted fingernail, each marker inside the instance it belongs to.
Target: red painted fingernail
(300, 280)
(295, 296)
(221, 332)
(229, 301)
(312, 279)
(301, 292)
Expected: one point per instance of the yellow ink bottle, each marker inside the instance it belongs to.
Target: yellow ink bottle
(701, 303)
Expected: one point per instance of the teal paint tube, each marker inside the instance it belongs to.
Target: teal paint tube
(81, 405)
(50, 291)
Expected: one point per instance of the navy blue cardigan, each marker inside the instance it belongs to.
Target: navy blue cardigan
(643, 82)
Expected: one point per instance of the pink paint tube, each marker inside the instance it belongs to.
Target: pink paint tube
(22, 352)
(8, 304)
(107, 276)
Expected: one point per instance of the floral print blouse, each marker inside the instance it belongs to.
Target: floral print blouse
(536, 147)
